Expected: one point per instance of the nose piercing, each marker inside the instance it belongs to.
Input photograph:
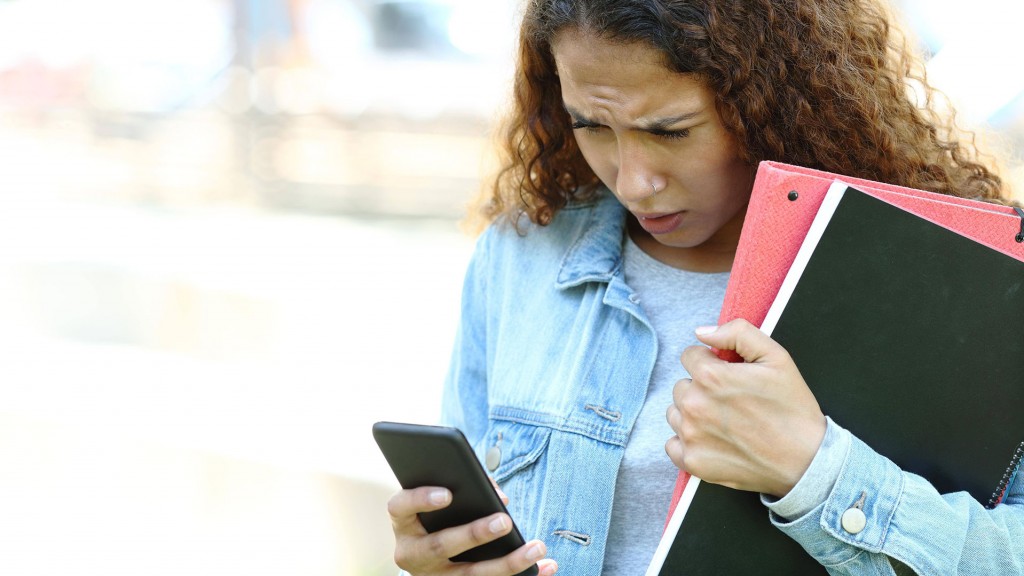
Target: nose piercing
(654, 189)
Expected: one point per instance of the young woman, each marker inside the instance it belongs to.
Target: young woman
(582, 365)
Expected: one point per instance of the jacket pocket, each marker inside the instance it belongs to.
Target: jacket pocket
(512, 447)
(516, 456)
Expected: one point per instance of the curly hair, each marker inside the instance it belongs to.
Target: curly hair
(826, 84)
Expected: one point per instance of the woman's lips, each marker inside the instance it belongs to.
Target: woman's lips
(660, 223)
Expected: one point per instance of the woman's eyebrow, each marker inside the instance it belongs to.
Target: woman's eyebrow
(576, 115)
(657, 124)
(667, 123)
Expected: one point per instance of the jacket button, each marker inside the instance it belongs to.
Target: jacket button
(854, 520)
(493, 458)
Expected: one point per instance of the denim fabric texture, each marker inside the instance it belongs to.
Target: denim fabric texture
(551, 364)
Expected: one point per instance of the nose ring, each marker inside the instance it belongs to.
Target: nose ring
(654, 189)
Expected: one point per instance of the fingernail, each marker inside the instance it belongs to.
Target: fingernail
(438, 497)
(498, 524)
(535, 552)
(705, 330)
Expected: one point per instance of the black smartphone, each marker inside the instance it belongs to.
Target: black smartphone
(422, 455)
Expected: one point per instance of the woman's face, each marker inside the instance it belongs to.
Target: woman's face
(642, 126)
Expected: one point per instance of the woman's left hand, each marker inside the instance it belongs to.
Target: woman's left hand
(751, 426)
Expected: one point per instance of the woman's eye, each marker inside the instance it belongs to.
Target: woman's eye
(666, 134)
(671, 134)
(592, 128)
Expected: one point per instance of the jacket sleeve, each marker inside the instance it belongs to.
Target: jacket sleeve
(909, 525)
(464, 396)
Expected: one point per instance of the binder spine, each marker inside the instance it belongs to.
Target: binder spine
(1011, 470)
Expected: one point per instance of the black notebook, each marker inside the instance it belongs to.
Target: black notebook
(911, 336)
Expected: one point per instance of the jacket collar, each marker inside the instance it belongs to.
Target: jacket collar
(595, 254)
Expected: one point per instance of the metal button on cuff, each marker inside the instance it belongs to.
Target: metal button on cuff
(854, 520)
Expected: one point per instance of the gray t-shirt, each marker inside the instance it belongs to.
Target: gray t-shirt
(676, 302)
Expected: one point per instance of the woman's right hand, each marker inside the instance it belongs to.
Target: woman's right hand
(426, 554)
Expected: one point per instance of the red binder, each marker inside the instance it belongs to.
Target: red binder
(783, 203)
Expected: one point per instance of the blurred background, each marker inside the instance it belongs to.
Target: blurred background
(229, 244)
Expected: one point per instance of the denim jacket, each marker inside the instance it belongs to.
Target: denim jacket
(548, 374)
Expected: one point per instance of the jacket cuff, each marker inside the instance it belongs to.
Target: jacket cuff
(867, 482)
(817, 482)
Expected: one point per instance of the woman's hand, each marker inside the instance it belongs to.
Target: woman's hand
(751, 426)
(426, 554)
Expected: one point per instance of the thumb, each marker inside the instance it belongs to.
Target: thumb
(740, 336)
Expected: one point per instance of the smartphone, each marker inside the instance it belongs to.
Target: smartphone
(422, 455)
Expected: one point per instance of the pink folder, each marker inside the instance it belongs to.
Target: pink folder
(783, 204)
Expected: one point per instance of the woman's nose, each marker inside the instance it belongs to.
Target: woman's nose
(636, 178)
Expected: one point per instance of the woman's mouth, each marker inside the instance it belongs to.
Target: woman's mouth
(660, 223)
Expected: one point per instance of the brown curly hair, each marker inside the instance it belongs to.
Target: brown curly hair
(826, 84)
